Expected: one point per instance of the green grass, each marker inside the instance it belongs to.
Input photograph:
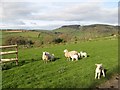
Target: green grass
(32, 72)
(29, 35)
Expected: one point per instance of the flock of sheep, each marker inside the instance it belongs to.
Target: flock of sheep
(74, 55)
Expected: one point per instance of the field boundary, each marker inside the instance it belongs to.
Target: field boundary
(9, 52)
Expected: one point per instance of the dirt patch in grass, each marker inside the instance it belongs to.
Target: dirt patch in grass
(112, 83)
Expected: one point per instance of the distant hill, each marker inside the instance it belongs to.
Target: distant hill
(71, 26)
(96, 29)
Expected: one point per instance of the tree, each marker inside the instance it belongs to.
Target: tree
(57, 40)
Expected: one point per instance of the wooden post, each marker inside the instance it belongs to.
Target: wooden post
(17, 55)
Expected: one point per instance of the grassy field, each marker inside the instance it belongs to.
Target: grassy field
(32, 72)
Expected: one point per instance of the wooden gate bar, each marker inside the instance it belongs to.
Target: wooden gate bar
(9, 52)
(10, 46)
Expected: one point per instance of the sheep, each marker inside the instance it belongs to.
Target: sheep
(98, 71)
(69, 54)
(83, 54)
(74, 57)
(47, 56)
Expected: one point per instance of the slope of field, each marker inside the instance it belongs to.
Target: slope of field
(32, 72)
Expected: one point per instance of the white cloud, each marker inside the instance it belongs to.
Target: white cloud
(78, 12)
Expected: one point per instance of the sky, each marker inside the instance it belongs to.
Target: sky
(52, 14)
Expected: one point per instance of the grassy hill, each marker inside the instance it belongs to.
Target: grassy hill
(32, 72)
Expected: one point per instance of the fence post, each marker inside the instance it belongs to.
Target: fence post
(17, 55)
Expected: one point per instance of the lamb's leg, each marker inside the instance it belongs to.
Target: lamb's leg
(68, 59)
(46, 61)
(103, 73)
(99, 75)
(72, 59)
(76, 59)
(95, 75)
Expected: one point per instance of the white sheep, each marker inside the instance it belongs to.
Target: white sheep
(83, 54)
(47, 56)
(98, 71)
(74, 57)
(69, 54)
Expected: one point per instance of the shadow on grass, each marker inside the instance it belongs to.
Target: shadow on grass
(88, 55)
(9, 65)
(56, 58)
(49, 61)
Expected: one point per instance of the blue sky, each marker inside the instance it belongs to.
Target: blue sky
(51, 14)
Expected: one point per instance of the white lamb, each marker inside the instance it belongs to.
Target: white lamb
(83, 54)
(99, 70)
(74, 57)
(69, 54)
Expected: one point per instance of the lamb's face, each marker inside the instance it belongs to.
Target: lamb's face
(44, 53)
(81, 52)
(99, 66)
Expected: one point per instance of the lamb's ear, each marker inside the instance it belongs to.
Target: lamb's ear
(96, 64)
(101, 64)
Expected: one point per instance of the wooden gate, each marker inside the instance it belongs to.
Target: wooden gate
(9, 52)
